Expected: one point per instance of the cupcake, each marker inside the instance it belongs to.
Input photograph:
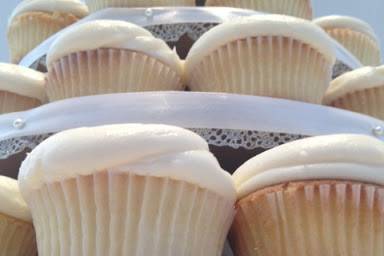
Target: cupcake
(20, 88)
(95, 5)
(297, 8)
(127, 190)
(105, 56)
(317, 196)
(361, 90)
(33, 21)
(355, 35)
(17, 236)
(265, 55)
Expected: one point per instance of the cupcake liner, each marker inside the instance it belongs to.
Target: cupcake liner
(95, 5)
(126, 214)
(363, 47)
(17, 238)
(11, 102)
(311, 218)
(368, 101)
(297, 8)
(104, 71)
(264, 66)
(30, 29)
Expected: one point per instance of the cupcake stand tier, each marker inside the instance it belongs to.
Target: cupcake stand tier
(234, 125)
(180, 27)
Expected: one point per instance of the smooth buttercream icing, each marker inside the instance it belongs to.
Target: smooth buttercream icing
(343, 157)
(356, 80)
(22, 81)
(261, 25)
(112, 34)
(74, 7)
(154, 150)
(11, 201)
(336, 21)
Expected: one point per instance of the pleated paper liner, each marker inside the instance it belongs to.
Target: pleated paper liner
(311, 218)
(104, 71)
(126, 214)
(368, 102)
(17, 238)
(264, 66)
(95, 5)
(362, 46)
(30, 29)
(11, 102)
(297, 8)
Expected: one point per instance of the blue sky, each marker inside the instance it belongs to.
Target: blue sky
(369, 10)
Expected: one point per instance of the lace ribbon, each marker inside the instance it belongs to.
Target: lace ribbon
(14, 146)
(173, 32)
(340, 68)
(217, 137)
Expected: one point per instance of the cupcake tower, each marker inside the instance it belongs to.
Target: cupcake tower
(134, 189)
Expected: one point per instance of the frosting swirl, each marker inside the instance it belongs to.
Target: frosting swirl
(345, 156)
(74, 7)
(356, 80)
(22, 81)
(154, 150)
(11, 201)
(111, 34)
(336, 21)
(261, 25)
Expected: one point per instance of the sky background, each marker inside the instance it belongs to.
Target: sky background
(371, 11)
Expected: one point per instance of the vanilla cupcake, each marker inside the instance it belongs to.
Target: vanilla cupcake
(127, 190)
(297, 8)
(107, 56)
(355, 35)
(265, 55)
(33, 21)
(17, 236)
(20, 88)
(95, 5)
(361, 90)
(317, 196)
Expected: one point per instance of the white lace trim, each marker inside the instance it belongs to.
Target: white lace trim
(14, 146)
(340, 68)
(216, 137)
(245, 139)
(173, 32)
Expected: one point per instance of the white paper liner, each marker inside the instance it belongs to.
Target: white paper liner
(312, 218)
(30, 29)
(297, 8)
(11, 102)
(360, 45)
(368, 101)
(104, 71)
(125, 214)
(264, 66)
(17, 238)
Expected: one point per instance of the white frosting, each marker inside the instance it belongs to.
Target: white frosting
(336, 21)
(22, 81)
(74, 7)
(111, 34)
(343, 156)
(261, 25)
(356, 80)
(154, 150)
(11, 201)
